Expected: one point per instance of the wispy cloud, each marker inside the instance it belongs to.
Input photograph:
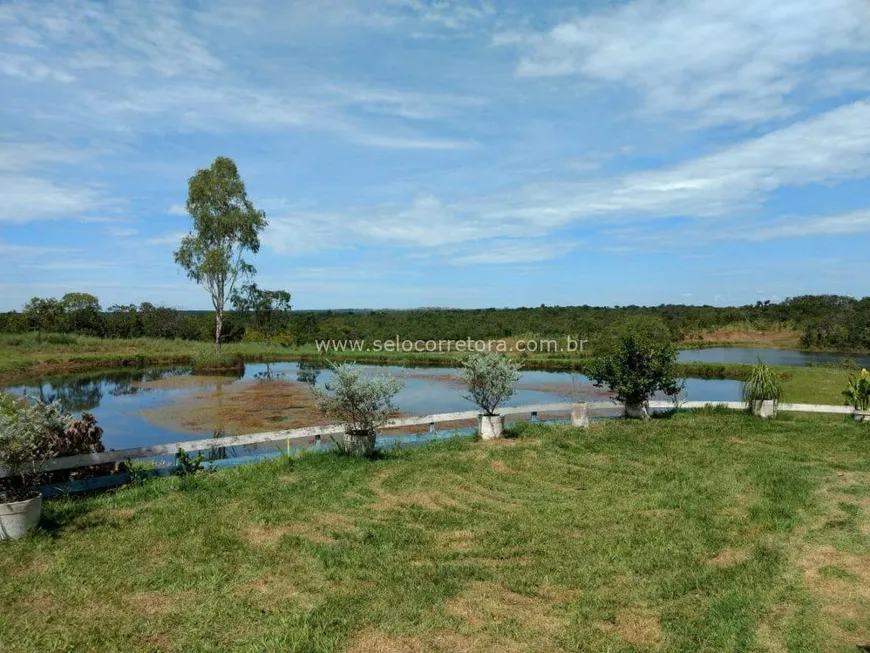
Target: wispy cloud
(716, 62)
(172, 238)
(140, 66)
(830, 148)
(512, 251)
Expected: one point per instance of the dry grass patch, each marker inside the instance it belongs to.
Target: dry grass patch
(841, 581)
(486, 603)
(501, 468)
(388, 500)
(372, 640)
(461, 540)
(639, 627)
(156, 641)
(318, 528)
(729, 557)
(153, 604)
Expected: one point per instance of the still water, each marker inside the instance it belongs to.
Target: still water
(750, 355)
(157, 406)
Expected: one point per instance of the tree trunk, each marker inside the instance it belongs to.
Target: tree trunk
(218, 324)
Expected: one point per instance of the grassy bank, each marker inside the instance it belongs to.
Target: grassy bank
(704, 532)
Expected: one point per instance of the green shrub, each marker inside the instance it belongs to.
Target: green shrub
(362, 404)
(637, 361)
(489, 378)
(763, 384)
(857, 393)
(26, 444)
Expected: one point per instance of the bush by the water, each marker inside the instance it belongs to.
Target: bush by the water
(207, 361)
(489, 378)
(763, 384)
(363, 404)
(639, 360)
(26, 437)
(33, 431)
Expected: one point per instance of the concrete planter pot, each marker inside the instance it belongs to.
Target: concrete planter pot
(490, 426)
(765, 409)
(19, 517)
(361, 445)
(637, 411)
(861, 415)
(579, 416)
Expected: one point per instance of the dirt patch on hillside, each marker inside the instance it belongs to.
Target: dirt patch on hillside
(780, 337)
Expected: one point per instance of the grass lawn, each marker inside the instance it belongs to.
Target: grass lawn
(709, 531)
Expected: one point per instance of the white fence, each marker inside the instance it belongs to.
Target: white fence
(301, 435)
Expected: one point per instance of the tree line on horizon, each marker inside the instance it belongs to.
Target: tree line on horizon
(825, 321)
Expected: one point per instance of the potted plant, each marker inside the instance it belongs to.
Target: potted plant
(638, 361)
(489, 378)
(362, 404)
(579, 413)
(762, 391)
(25, 447)
(857, 395)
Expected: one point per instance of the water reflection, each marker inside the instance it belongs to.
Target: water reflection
(307, 372)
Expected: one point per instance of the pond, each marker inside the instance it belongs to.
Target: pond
(158, 406)
(750, 355)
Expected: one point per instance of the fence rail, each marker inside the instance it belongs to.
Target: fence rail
(296, 436)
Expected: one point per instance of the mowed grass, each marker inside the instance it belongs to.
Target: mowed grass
(708, 531)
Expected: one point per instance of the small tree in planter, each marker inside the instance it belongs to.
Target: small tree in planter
(857, 395)
(25, 447)
(762, 391)
(638, 361)
(362, 404)
(489, 378)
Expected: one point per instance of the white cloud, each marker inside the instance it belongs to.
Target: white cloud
(172, 238)
(122, 232)
(824, 150)
(177, 209)
(139, 65)
(27, 198)
(512, 251)
(717, 62)
(832, 225)
(752, 230)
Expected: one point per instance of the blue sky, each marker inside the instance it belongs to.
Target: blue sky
(443, 153)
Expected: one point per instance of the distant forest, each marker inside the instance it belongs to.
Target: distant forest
(824, 321)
